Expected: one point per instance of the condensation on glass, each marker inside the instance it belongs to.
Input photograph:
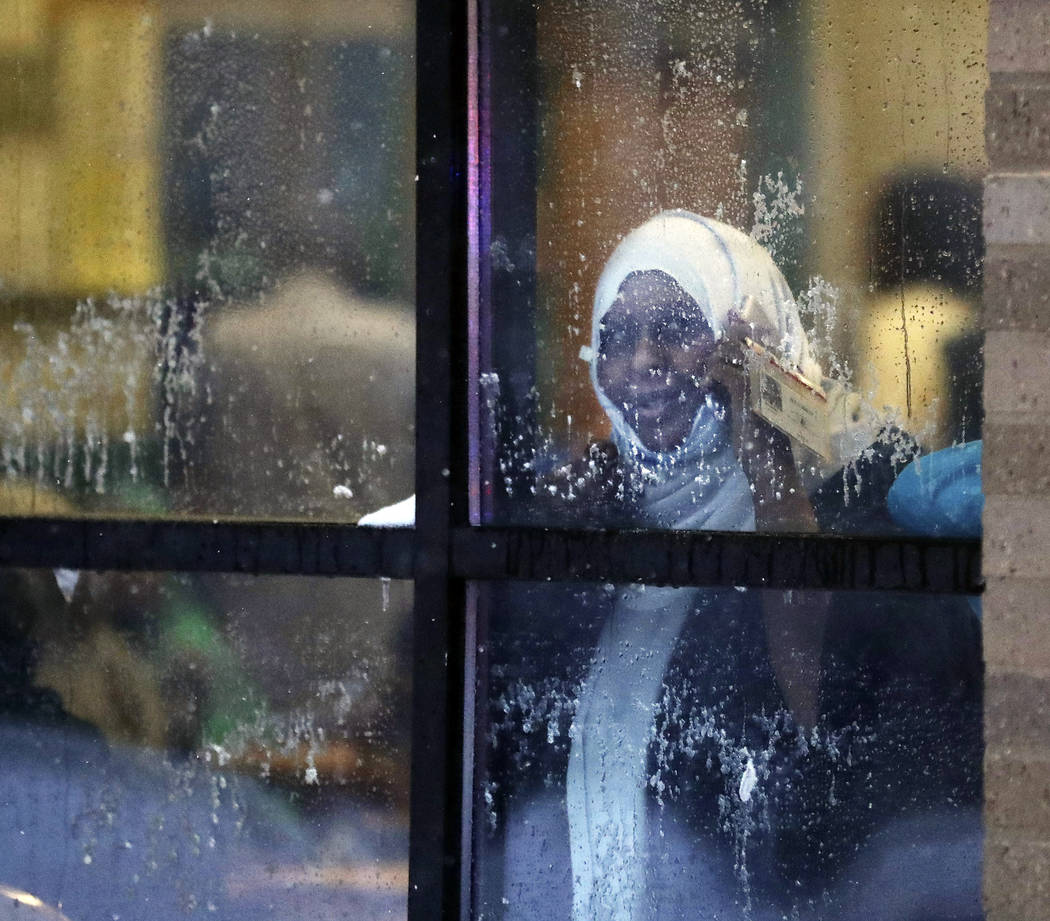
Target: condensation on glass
(212, 746)
(207, 261)
(658, 753)
(843, 140)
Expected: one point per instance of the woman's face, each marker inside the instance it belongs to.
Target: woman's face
(654, 351)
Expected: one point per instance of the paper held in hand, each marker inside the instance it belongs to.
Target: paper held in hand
(787, 400)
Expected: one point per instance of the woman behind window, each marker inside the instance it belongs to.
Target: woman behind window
(688, 753)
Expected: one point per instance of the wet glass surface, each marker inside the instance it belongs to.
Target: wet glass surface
(225, 746)
(831, 152)
(647, 752)
(207, 277)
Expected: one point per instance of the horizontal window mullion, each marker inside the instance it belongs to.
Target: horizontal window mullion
(207, 546)
(809, 561)
(805, 561)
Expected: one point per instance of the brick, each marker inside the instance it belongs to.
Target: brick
(1017, 287)
(1017, 794)
(1017, 208)
(1016, 879)
(1019, 36)
(1016, 372)
(1016, 537)
(1017, 126)
(1016, 458)
(1016, 621)
(1016, 712)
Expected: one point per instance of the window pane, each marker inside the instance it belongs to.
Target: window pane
(665, 178)
(226, 746)
(208, 264)
(684, 753)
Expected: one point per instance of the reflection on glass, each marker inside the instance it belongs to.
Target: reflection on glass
(842, 139)
(646, 752)
(226, 746)
(207, 271)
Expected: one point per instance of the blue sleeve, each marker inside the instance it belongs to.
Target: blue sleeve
(940, 495)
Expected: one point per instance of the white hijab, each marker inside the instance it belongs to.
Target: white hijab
(724, 271)
(698, 484)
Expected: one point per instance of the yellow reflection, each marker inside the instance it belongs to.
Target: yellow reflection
(894, 88)
(37, 908)
(17, 895)
(79, 148)
(904, 366)
(80, 170)
(107, 84)
(23, 26)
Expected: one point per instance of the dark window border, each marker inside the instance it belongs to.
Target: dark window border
(443, 554)
(702, 558)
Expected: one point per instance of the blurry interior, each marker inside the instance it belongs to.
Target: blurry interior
(207, 273)
(206, 284)
(206, 277)
(192, 741)
(847, 137)
(208, 262)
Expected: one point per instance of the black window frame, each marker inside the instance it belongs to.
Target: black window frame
(444, 552)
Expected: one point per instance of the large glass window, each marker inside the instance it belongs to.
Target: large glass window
(208, 263)
(730, 257)
(657, 171)
(224, 745)
(688, 399)
(651, 752)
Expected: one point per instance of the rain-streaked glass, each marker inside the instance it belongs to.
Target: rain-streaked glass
(658, 753)
(206, 270)
(220, 746)
(844, 139)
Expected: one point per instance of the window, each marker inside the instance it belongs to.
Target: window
(186, 742)
(207, 312)
(211, 249)
(250, 284)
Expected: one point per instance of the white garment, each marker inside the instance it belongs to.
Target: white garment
(700, 484)
(606, 781)
(724, 271)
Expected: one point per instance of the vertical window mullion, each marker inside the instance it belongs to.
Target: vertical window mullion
(443, 40)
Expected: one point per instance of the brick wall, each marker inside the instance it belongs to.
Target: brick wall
(1017, 463)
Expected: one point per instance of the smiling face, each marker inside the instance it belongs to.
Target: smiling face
(654, 350)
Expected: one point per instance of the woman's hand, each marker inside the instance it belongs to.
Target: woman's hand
(764, 451)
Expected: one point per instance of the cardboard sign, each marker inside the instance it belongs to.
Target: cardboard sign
(786, 399)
